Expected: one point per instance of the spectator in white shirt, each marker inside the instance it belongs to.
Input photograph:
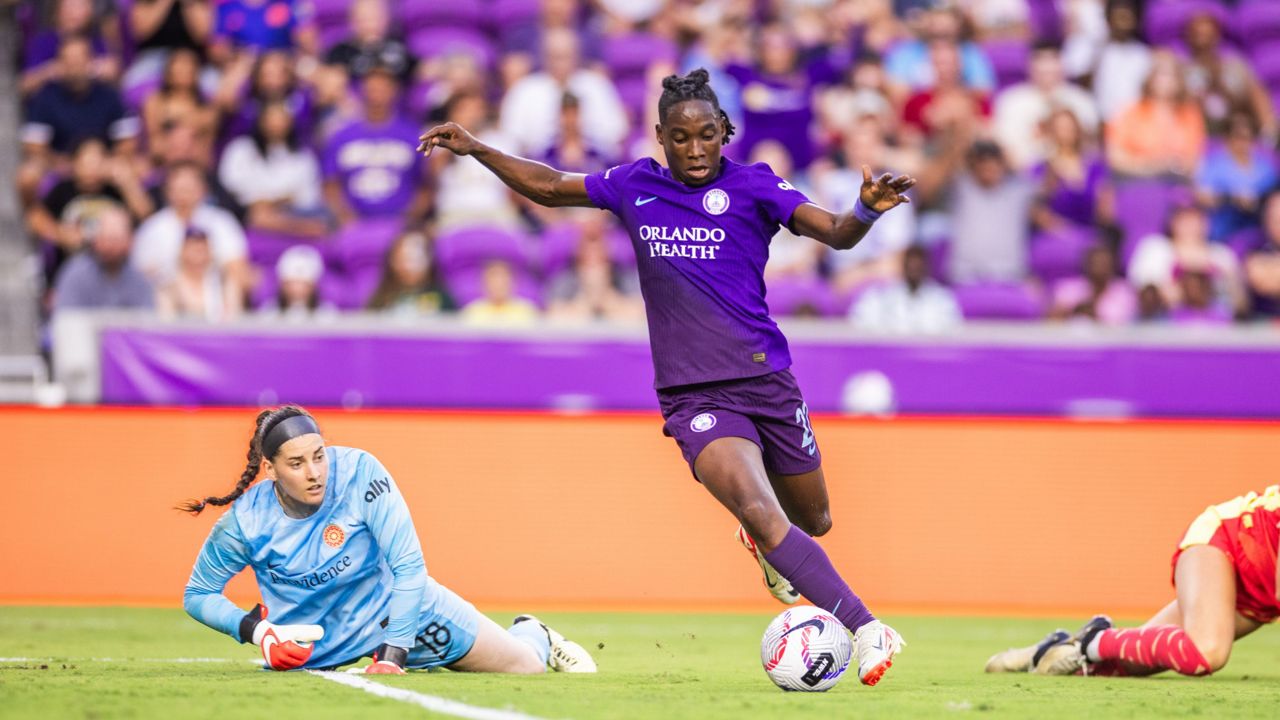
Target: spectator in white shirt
(1021, 110)
(159, 240)
(274, 176)
(531, 109)
(915, 304)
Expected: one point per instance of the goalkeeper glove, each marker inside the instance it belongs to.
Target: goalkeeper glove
(284, 647)
(388, 660)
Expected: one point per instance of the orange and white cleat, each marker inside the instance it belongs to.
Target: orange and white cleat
(876, 645)
(779, 586)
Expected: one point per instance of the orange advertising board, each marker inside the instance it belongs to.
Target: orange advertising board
(599, 511)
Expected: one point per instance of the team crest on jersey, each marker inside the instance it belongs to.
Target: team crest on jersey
(703, 422)
(334, 536)
(716, 201)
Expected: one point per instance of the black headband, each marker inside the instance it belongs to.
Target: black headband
(286, 430)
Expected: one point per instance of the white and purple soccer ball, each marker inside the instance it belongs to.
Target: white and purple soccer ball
(805, 649)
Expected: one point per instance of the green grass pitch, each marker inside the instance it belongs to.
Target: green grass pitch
(99, 663)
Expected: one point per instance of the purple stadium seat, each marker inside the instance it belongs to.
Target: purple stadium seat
(1265, 59)
(1010, 59)
(434, 42)
(1000, 301)
(1142, 208)
(506, 14)
(633, 91)
(1165, 19)
(266, 247)
(331, 13)
(332, 35)
(363, 244)
(137, 94)
(1059, 254)
(787, 296)
(1257, 21)
(1244, 240)
(630, 55)
(416, 14)
(468, 249)
(556, 247)
(1046, 21)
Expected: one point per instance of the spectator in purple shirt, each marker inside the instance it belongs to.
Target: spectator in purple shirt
(1198, 302)
(370, 166)
(72, 18)
(1100, 294)
(272, 79)
(777, 95)
(1074, 187)
(571, 149)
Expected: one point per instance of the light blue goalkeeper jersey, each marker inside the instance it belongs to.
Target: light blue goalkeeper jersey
(354, 567)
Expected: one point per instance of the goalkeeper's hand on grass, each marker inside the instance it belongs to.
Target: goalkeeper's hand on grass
(284, 647)
(388, 660)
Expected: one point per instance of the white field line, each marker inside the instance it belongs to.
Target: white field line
(435, 704)
(110, 660)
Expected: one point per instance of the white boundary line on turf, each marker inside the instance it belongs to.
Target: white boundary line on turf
(126, 660)
(440, 705)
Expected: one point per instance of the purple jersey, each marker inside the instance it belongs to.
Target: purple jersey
(378, 166)
(701, 253)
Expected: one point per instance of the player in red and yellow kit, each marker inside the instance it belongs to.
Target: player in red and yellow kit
(1224, 572)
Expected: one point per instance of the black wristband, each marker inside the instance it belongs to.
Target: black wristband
(392, 654)
(249, 623)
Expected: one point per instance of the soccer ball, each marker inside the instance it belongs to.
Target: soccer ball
(805, 649)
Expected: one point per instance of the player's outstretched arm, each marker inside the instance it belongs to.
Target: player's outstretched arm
(540, 183)
(843, 230)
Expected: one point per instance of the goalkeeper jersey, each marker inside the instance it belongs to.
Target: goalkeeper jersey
(353, 567)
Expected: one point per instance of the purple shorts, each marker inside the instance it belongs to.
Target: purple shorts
(767, 410)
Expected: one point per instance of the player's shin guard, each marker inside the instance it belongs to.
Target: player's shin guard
(802, 560)
(1156, 648)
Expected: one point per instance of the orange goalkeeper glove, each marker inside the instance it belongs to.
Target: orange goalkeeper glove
(284, 647)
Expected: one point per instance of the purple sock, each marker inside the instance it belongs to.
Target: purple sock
(800, 559)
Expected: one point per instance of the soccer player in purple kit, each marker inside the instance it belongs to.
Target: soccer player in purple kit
(701, 229)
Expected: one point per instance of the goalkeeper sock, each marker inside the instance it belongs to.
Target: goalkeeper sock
(1154, 648)
(800, 559)
(535, 636)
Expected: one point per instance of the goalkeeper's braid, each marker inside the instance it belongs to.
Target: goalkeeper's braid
(266, 420)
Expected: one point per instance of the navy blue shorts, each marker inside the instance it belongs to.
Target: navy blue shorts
(767, 410)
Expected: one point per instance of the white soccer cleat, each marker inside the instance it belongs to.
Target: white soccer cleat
(779, 586)
(876, 645)
(1063, 659)
(566, 655)
(1024, 659)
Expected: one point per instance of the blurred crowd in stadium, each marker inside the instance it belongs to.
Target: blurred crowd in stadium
(1110, 161)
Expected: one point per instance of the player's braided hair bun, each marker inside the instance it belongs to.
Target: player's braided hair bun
(694, 85)
(266, 420)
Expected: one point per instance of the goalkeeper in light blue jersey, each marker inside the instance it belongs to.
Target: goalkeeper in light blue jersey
(339, 566)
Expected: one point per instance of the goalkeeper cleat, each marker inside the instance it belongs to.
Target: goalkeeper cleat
(876, 645)
(566, 655)
(1069, 657)
(1024, 658)
(779, 586)
(1090, 630)
(1065, 658)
